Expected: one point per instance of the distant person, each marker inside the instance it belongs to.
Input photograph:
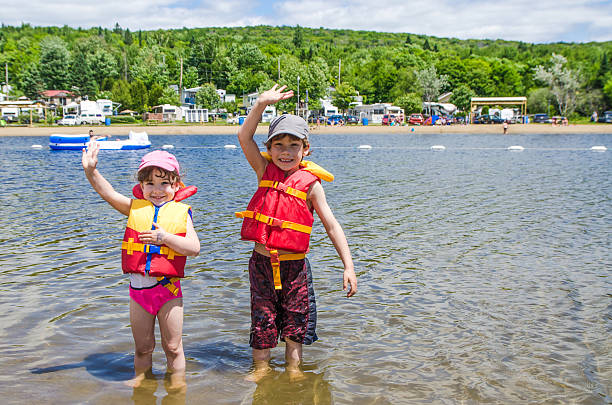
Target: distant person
(279, 220)
(505, 127)
(158, 237)
(93, 137)
(594, 116)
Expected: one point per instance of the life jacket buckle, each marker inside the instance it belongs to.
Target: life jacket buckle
(281, 186)
(153, 249)
(275, 222)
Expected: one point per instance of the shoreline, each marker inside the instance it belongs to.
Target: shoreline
(513, 129)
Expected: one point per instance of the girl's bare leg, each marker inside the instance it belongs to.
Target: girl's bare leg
(170, 318)
(143, 331)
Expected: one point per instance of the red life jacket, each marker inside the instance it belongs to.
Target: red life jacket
(278, 216)
(154, 260)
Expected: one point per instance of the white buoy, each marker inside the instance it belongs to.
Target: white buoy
(365, 146)
(599, 148)
(230, 146)
(168, 147)
(37, 146)
(438, 147)
(516, 148)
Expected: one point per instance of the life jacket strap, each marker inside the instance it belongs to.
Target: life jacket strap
(283, 187)
(169, 283)
(132, 247)
(275, 260)
(257, 216)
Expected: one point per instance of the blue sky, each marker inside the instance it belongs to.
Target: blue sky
(536, 21)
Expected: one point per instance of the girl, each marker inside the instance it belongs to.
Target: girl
(158, 237)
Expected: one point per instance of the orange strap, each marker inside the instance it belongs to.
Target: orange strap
(275, 260)
(132, 247)
(284, 188)
(257, 216)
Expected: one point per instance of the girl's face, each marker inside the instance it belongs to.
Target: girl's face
(158, 189)
(287, 152)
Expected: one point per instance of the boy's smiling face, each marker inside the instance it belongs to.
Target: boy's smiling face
(287, 152)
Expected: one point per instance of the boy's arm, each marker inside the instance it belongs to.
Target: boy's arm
(248, 128)
(316, 196)
(188, 245)
(90, 160)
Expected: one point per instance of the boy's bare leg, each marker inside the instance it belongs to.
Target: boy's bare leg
(143, 331)
(261, 360)
(293, 357)
(170, 318)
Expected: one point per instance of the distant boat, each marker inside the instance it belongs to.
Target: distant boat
(136, 140)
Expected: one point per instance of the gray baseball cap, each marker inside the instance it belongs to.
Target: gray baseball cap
(288, 124)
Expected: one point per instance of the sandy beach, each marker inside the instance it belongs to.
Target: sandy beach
(351, 129)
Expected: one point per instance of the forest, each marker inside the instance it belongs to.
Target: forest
(137, 68)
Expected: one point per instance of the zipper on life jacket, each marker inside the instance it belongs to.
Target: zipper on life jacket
(150, 253)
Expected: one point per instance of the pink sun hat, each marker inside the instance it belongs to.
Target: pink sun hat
(160, 158)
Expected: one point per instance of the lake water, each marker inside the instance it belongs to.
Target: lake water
(484, 275)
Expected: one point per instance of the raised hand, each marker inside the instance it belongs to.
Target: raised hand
(90, 157)
(274, 95)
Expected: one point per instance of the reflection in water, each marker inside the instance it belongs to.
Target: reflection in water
(280, 388)
(145, 393)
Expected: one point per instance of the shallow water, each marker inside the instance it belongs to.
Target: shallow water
(484, 275)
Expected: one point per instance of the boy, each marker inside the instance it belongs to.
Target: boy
(279, 220)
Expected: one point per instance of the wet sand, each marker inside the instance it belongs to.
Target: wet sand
(350, 129)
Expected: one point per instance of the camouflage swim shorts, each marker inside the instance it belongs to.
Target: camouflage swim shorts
(288, 313)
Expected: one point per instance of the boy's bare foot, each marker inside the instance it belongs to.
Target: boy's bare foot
(258, 373)
(295, 374)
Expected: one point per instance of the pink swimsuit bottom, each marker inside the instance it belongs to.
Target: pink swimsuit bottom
(152, 299)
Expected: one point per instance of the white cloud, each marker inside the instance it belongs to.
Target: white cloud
(524, 20)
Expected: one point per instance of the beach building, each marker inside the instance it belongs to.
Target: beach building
(108, 107)
(268, 114)
(165, 113)
(12, 109)
(375, 112)
(59, 97)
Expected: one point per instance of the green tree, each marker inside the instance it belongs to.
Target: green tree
(54, 63)
(103, 66)
(343, 96)
(607, 91)
(121, 94)
(30, 81)
(298, 37)
(431, 83)
(462, 97)
(190, 77)
(563, 83)
(411, 103)
(538, 100)
(140, 96)
(170, 97)
(207, 97)
(155, 94)
(150, 67)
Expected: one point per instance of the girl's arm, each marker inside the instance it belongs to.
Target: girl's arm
(90, 160)
(316, 195)
(248, 128)
(188, 245)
